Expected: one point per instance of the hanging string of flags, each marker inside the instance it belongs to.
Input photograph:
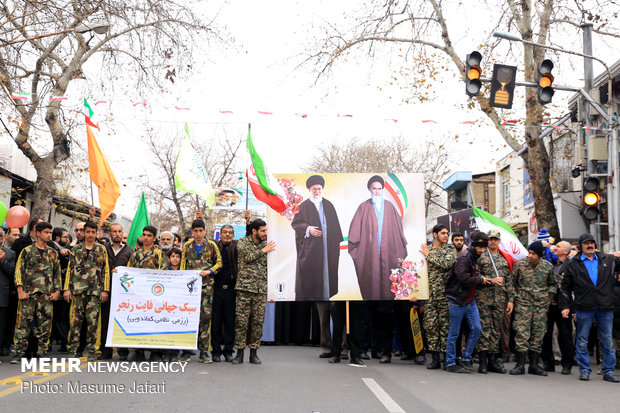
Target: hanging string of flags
(26, 97)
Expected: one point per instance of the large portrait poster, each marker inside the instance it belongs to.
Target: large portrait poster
(348, 237)
(154, 309)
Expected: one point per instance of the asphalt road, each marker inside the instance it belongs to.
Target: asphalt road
(294, 379)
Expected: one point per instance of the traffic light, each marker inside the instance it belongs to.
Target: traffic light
(473, 73)
(545, 80)
(502, 86)
(591, 198)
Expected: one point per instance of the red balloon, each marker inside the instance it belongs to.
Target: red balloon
(17, 217)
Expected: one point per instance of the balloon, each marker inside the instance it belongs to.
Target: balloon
(2, 212)
(17, 217)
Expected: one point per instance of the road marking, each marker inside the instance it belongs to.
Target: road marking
(383, 397)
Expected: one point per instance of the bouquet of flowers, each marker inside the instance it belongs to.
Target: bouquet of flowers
(405, 278)
(293, 199)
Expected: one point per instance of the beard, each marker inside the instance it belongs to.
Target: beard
(166, 246)
(316, 198)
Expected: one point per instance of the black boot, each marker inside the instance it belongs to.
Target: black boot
(253, 357)
(239, 358)
(534, 367)
(520, 367)
(482, 359)
(443, 360)
(493, 367)
(435, 364)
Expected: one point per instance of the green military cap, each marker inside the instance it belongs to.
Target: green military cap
(493, 233)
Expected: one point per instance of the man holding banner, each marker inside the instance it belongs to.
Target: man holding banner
(317, 238)
(204, 255)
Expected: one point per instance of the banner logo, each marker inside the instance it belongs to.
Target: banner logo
(157, 289)
(126, 282)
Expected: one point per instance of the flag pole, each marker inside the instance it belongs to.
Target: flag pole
(247, 178)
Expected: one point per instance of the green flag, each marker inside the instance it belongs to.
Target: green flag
(140, 220)
(190, 174)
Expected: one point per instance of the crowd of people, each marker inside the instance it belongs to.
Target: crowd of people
(483, 306)
(55, 288)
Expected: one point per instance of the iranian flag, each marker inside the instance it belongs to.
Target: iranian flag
(509, 244)
(88, 114)
(264, 186)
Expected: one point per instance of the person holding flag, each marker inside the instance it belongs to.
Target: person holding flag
(491, 300)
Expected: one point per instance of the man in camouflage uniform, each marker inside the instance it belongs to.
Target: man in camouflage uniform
(491, 300)
(38, 279)
(149, 257)
(204, 255)
(439, 258)
(251, 289)
(87, 286)
(534, 284)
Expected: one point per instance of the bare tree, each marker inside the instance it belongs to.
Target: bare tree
(394, 155)
(46, 45)
(421, 26)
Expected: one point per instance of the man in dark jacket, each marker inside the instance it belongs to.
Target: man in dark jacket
(591, 277)
(224, 297)
(118, 256)
(460, 290)
(7, 277)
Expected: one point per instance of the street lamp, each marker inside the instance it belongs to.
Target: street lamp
(98, 28)
(612, 140)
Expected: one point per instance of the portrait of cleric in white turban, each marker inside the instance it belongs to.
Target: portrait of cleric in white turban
(317, 239)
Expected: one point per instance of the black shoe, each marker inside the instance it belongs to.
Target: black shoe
(254, 357)
(239, 358)
(344, 356)
(520, 367)
(105, 355)
(494, 366)
(364, 356)
(534, 367)
(16, 359)
(375, 355)
(216, 358)
(228, 358)
(566, 370)
(457, 368)
(584, 376)
(137, 356)
(185, 356)
(335, 359)
(78, 354)
(122, 357)
(467, 365)
(385, 360)
(611, 378)
(435, 364)
(420, 359)
(483, 360)
(325, 355)
(549, 367)
(204, 357)
(357, 361)
(155, 356)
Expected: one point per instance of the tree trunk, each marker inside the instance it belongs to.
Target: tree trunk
(44, 188)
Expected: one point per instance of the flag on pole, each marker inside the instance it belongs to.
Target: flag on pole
(88, 114)
(101, 174)
(140, 220)
(509, 244)
(190, 174)
(264, 186)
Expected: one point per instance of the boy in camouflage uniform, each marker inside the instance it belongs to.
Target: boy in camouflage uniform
(491, 300)
(38, 278)
(204, 255)
(440, 258)
(534, 283)
(87, 286)
(251, 290)
(149, 257)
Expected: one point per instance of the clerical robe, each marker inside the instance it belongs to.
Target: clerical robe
(317, 274)
(376, 253)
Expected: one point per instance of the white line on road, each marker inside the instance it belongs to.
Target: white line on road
(383, 397)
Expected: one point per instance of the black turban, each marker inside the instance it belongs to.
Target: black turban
(315, 180)
(374, 179)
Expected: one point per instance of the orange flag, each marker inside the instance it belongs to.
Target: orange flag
(101, 174)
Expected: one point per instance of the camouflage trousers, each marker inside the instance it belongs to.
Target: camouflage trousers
(250, 315)
(206, 308)
(491, 323)
(436, 323)
(85, 308)
(530, 325)
(39, 305)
